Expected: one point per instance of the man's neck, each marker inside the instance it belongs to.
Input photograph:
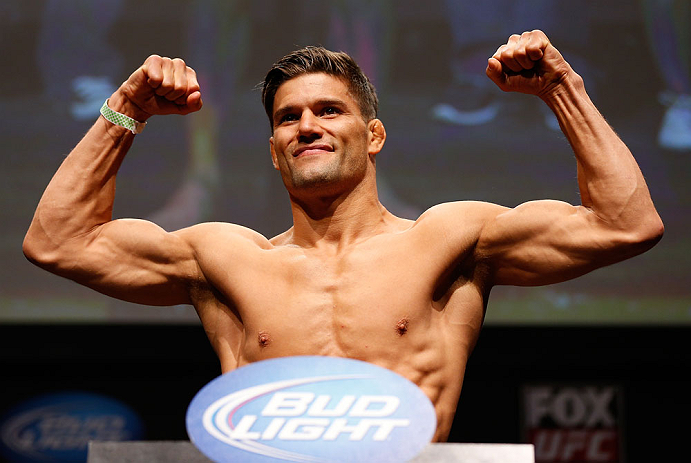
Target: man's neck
(340, 220)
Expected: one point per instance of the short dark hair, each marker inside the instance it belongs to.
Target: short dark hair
(311, 60)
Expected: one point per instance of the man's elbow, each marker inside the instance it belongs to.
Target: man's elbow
(40, 251)
(32, 251)
(647, 233)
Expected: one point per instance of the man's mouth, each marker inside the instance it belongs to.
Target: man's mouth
(310, 150)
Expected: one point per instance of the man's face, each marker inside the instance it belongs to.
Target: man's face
(320, 138)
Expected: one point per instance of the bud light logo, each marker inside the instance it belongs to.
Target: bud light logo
(58, 427)
(311, 410)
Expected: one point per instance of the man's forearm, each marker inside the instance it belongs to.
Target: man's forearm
(609, 178)
(80, 195)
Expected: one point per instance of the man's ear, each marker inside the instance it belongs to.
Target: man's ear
(274, 159)
(377, 136)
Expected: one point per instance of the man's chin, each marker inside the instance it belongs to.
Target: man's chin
(315, 185)
(314, 179)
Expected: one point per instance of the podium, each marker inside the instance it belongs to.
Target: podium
(185, 452)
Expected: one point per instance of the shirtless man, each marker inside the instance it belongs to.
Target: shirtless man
(349, 279)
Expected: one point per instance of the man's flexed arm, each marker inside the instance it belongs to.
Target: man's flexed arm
(72, 233)
(547, 241)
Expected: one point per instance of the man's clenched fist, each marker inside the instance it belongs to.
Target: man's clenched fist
(528, 63)
(160, 86)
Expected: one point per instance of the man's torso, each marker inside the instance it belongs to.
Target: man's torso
(402, 299)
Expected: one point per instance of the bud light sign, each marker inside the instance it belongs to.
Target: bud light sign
(58, 427)
(311, 409)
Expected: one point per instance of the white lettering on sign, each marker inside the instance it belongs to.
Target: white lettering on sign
(364, 406)
(314, 428)
(318, 407)
(288, 404)
(372, 410)
(359, 430)
(296, 403)
(303, 429)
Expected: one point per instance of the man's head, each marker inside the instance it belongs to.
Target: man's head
(320, 60)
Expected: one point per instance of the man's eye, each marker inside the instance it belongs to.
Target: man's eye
(329, 111)
(289, 118)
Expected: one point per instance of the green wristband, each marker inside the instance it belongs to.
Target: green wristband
(120, 119)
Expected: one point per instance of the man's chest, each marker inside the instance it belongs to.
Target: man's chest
(352, 286)
(300, 302)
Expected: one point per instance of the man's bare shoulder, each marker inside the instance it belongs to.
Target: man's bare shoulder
(211, 233)
(454, 228)
(467, 214)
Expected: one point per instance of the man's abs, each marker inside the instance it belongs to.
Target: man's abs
(375, 304)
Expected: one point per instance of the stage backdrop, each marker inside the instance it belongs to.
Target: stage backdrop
(451, 134)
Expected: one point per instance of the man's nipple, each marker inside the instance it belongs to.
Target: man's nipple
(263, 339)
(402, 326)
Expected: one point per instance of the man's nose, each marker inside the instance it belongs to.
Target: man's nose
(309, 125)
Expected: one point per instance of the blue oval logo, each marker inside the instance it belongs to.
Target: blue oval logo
(311, 410)
(57, 427)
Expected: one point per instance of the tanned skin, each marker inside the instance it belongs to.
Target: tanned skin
(349, 279)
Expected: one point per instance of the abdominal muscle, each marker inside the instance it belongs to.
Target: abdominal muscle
(373, 303)
(419, 348)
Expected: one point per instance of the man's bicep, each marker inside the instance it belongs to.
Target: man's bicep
(544, 242)
(137, 261)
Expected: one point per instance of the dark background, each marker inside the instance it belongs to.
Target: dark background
(158, 369)
(626, 325)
